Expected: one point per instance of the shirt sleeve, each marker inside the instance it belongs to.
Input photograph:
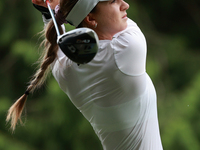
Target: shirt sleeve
(130, 49)
(46, 21)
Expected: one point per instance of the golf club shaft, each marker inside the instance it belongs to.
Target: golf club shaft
(52, 16)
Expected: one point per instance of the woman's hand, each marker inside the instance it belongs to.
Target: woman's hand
(52, 3)
(39, 2)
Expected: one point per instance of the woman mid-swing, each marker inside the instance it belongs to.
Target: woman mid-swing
(113, 91)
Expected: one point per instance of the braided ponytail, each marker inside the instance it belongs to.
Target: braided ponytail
(48, 56)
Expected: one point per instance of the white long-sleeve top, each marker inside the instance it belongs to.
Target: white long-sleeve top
(114, 92)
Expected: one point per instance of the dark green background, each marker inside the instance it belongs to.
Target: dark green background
(172, 30)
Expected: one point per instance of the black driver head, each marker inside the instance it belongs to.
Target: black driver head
(80, 45)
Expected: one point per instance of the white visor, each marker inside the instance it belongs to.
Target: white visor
(81, 9)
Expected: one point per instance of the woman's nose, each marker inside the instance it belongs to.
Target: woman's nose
(124, 5)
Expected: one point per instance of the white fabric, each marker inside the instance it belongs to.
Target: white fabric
(46, 21)
(114, 92)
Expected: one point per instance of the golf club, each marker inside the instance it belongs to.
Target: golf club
(80, 45)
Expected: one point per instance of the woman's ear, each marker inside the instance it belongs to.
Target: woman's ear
(90, 20)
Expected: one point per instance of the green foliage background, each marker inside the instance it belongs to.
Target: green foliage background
(172, 30)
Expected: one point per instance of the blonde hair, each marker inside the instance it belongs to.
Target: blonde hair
(48, 56)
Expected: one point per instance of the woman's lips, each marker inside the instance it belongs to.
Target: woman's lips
(125, 16)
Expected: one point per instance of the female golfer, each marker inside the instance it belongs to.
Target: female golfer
(113, 91)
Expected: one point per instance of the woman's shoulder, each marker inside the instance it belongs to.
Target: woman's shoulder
(129, 48)
(131, 27)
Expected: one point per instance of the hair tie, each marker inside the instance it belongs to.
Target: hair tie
(60, 19)
(26, 92)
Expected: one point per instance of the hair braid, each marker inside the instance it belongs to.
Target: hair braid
(48, 56)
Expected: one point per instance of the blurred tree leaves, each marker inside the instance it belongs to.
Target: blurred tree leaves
(172, 32)
(25, 51)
